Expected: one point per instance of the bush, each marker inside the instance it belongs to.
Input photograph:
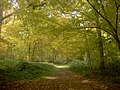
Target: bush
(27, 70)
(79, 67)
(5, 64)
(111, 73)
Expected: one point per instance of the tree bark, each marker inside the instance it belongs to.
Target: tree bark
(117, 41)
(100, 41)
(1, 17)
(1, 20)
(29, 52)
(101, 51)
(87, 52)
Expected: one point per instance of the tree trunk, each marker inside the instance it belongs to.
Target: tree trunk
(117, 41)
(29, 52)
(1, 16)
(1, 20)
(33, 51)
(102, 66)
(100, 42)
(87, 51)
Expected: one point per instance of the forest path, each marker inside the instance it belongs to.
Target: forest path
(62, 80)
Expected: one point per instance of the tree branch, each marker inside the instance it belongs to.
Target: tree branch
(7, 16)
(103, 8)
(110, 24)
(111, 33)
(117, 9)
(116, 21)
(85, 14)
(115, 3)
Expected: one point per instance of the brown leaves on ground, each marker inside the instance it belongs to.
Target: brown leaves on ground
(65, 80)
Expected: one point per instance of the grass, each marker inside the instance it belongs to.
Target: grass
(14, 70)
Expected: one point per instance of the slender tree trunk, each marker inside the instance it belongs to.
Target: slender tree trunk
(1, 20)
(33, 51)
(101, 51)
(87, 52)
(100, 41)
(87, 49)
(29, 52)
(1, 16)
(117, 41)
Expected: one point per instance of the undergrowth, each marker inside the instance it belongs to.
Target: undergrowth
(12, 70)
(79, 67)
(111, 73)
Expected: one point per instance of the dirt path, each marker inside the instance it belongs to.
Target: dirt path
(64, 80)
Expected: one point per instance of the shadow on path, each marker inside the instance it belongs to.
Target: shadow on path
(62, 80)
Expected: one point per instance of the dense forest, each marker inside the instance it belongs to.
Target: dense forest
(42, 35)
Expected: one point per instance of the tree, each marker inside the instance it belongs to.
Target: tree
(1, 20)
(109, 13)
(100, 41)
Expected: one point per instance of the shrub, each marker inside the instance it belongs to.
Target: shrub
(28, 70)
(79, 67)
(111, 73)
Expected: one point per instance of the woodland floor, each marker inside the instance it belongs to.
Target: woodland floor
(62, 80)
